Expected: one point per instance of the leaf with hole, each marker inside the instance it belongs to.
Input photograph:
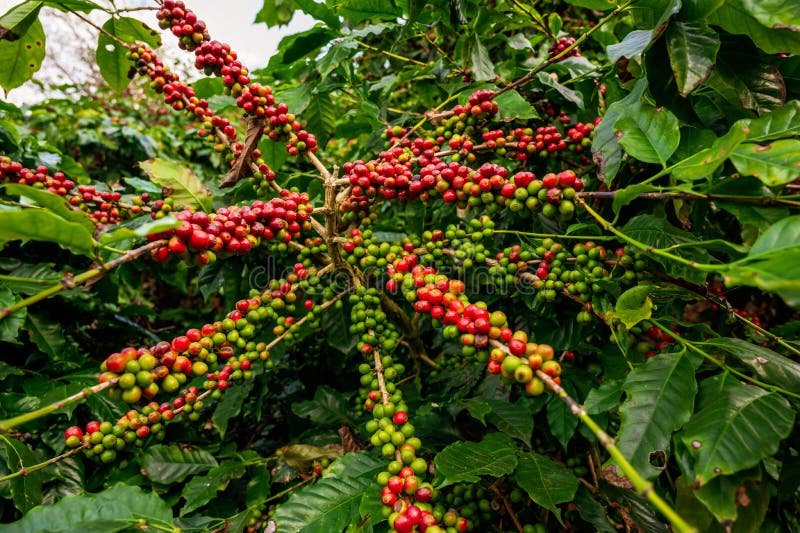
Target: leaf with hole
(659, 400)
(736, 430)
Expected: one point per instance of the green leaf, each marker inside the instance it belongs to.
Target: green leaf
(570, 95)
(299, 45)
(55, 203)
(171, 464)
(601, 5)
(42, 225)
(698, 9)
(513, 419)
(723, 494)
(85, 6)
(360, 10)
(689, 507)
(459, 462)
(734, 17)
(592, 511)
(202, 489)
(774, 14)
(659, 400)
(742, 79)
(276, 13)
(648, 133)
(738, 428)
(21, 59)
(631, 46)
(26, 490)
(606, 151)
(777, 163)
(692, 51)
(320, 117)
(604, 398)
(768, 365)
(141, 231)
(633, 306)
(231, 405)
(706, 162)
(332, 503)
(560, 419)
(482, 64)
(184, 184)
(623, 197)
(9, 326)
(657, 232)
(779, 123)
(114, 509)
(340, 51)
(329, 407)
(319, 11)
(16, 21)
(773, 263)
(49, 337)
(111, 56)
(546, 482)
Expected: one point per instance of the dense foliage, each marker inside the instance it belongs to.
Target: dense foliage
(440, 266)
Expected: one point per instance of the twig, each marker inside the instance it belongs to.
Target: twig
(10, 423)
(69, 282)
(508, 507)
(757, 200)
(26, 470)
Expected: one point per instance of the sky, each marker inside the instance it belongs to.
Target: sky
(228, 21)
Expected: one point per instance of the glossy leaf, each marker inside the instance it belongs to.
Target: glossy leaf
(514, 419)
(494, 456)
(150, 226)
(659, 400)
(776, 163)
(9, 326)
(115, 509)
(320, 11)
(698, 9)
(25, 490)
(648, 133)
(782, 122)
(482, 66)
(111, 56)
(546, 482)
(16, 21)
(43, 225)
(231, 405)
(604, 398)
(202, 489)
(633, 306)
(184, 184)
(332, 503)
(328, 407)
(21, 59)
(171, 464)
(606, 151)
(773, 263)
(774, 14)
(570, 95)
(734, 17)
(706, 162)
(692, 51)
(54, 203)
(560, 419)
(631, 46)
(360, 10)
(737, 429)
(659, 233)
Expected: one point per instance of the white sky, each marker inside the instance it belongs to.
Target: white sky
(228, 21)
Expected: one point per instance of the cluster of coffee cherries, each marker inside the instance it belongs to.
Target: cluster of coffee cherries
(235, 230)
(106, 207)
(183, 23)
(649, 339)
(406, 496)
(40, 178)
(562, 44)
(103, 207)
(553, 195)
(177, 94)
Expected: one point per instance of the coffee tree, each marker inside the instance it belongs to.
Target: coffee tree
(439, 267)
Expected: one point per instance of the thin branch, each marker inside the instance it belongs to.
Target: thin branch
(26, 470)
(70, 282)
